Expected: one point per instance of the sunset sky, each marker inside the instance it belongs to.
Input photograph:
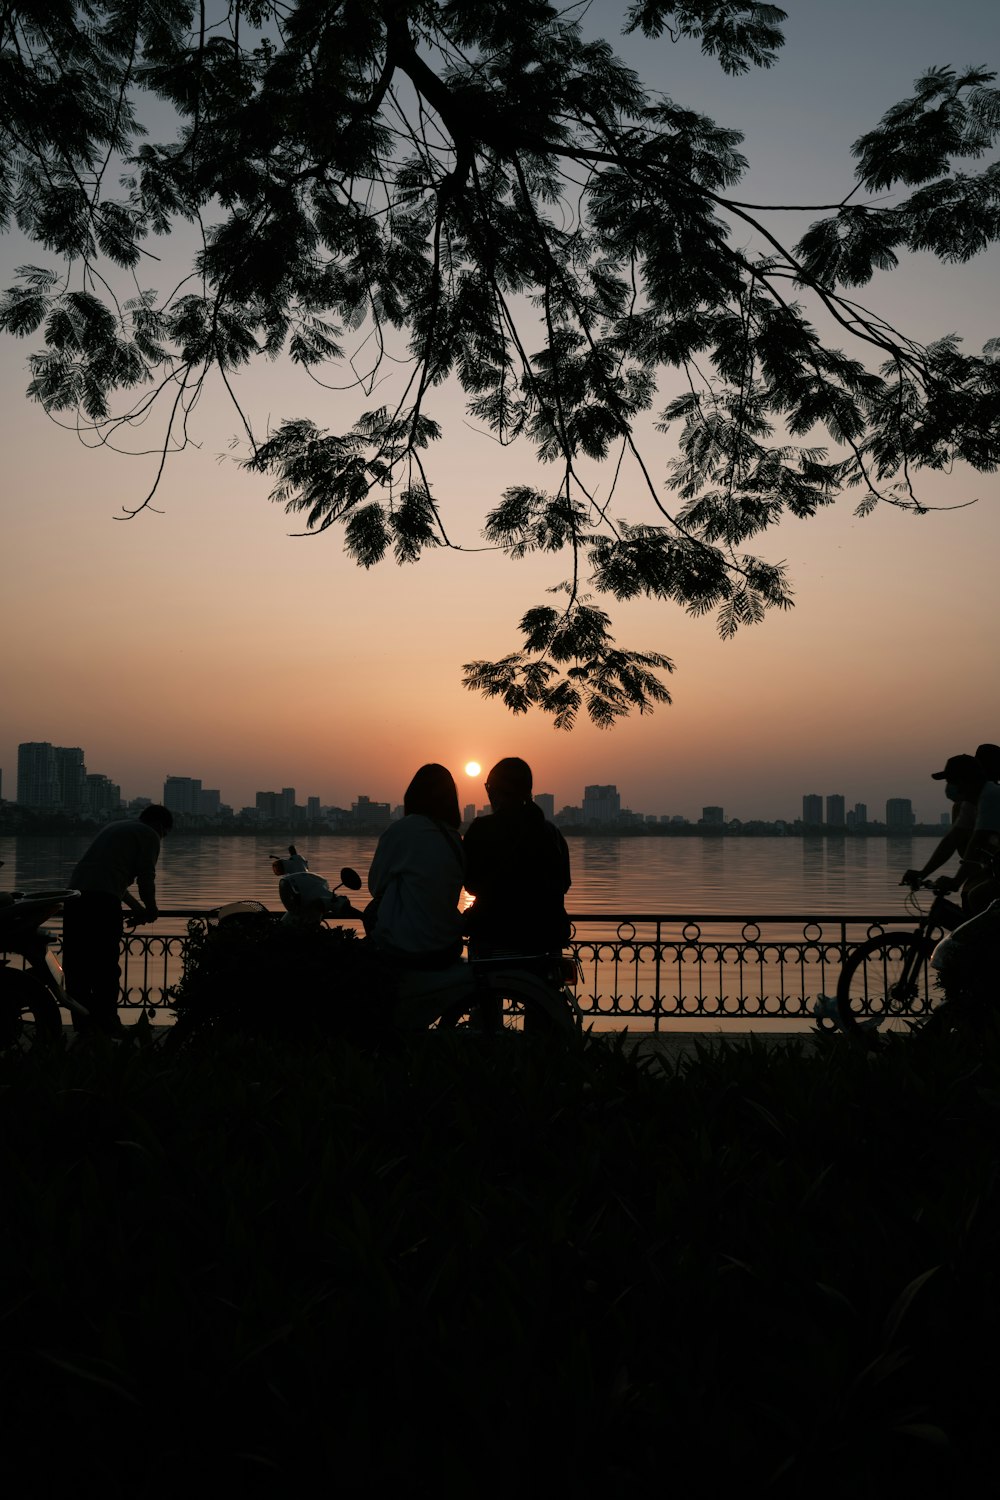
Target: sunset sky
(202, 640)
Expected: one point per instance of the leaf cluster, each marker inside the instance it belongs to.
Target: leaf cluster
(431, 191)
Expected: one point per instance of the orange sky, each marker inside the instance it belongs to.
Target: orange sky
(204, 641)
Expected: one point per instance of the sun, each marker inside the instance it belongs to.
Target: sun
(472, 768)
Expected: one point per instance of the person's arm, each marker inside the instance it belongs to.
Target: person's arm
(948, 846)
(954, 842)
(145, 879)
(383, 865)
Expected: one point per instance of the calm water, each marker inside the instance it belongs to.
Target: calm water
(691, 876)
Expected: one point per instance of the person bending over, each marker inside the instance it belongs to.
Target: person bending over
(122, 854)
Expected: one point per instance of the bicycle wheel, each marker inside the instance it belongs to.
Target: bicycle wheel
(886, 986)
(26, 1009)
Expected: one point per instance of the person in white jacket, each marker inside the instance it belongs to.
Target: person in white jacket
(416, 877)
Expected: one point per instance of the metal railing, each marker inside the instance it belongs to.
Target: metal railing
(645, 971)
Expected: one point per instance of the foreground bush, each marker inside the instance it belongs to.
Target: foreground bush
(500, 1269)
(261, 978)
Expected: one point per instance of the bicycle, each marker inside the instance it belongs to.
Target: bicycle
(885, 984)
(31, 998)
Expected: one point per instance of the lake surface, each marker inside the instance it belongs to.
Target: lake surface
(631, 876)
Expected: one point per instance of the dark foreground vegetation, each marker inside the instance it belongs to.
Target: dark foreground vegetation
(268, 1267)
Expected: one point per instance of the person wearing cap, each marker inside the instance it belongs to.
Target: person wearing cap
(977, 874)
(968, 784)
(963, 821)
(963, 812)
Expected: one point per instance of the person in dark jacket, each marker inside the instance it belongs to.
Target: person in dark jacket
(517, 868)
(122, 853)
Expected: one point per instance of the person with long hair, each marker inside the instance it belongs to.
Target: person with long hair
(416, 877)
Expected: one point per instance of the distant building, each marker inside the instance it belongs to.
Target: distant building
(469, 813)
(371, 815)
(601, 804)
(835, 811)
(312, 809)
(569, 817)
(712, 817)
(209, 803)
(547, 802)
(37, 777)
(899, 815)
(71, 774)
(267, 804)
(860, 814)
(812, 810)
(182, 794)
(104, 797)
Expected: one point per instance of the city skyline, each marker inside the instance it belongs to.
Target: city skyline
(599, 802)
(201, 637)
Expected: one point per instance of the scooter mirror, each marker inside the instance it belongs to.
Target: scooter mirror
(350, 878)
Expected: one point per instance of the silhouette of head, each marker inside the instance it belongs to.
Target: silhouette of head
(160, 818)
(988, 757)
(509, 782)
(433, 793)
(964, 774)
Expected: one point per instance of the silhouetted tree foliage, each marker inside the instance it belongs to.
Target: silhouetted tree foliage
(476, 192)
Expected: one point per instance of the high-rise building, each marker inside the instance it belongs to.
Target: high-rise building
(812, 810)
(601, 804)
(371, 814)
(37, 776)
(835, 811)
(860, 813)
(899, 815)
(104, 797)
(312, 809)
(182, 794)
(469, 813)
(72, 775)
(547, 802)
(713, 817)
(209, 803)
(288, 803)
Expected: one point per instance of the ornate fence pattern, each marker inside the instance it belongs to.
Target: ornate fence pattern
(642, 971)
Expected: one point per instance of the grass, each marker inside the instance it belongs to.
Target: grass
(494, 1268)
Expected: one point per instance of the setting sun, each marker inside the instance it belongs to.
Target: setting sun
(472, 768)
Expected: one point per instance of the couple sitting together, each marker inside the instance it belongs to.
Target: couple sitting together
(514, 862)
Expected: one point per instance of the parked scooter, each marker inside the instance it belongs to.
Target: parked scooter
(30, 997)
(308, 899)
